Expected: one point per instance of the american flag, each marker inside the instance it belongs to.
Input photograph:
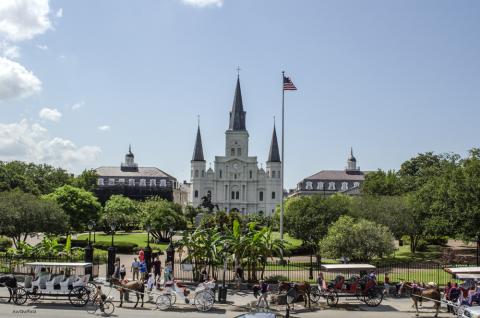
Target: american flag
(288, 84)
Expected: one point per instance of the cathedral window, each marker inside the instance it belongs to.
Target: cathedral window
(153, 182)
(100, 181)
(243, 192)
(163, 182)
(235, 176)
(319, 185)
(196, 173)
(111, 181)
(273, 174)
(237, 195)
(260, 196)
(239, 152)
(131, 182)
(356, 184)
(196, 193)
(251, 174)
(308, 185)
(220, 174)
(232, 152)
(143, 182)
(273, 195)
(203, 173)
(233, 195)
(331, 186)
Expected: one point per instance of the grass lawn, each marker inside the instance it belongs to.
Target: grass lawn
(139, 238)
(292, 241)
(403, 254)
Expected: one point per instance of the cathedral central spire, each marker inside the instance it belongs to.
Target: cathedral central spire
(274, 154)
(198, 150)
(237, 115)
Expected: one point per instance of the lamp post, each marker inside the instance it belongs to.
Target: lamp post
(222, 291)
(89, 249)
(310, 276)
(170, 250)
(111, 254)
(147, 251)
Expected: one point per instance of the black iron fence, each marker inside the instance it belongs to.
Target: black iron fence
(306, 271)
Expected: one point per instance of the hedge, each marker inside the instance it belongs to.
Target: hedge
(5, 244)
(120, 247)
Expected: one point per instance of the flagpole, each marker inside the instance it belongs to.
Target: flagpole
(283, 157)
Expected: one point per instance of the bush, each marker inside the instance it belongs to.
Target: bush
(75, 243)
(298, 250)
(275, 279)
(121, 247)
(5, 244)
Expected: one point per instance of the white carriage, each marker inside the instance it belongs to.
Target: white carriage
(52, 279)
(470, 276)
(203, 296)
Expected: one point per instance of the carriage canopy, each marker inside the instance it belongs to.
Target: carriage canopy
(463, 270)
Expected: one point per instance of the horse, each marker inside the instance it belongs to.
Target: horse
(417, 294)
(10, 282)
(299, 289)
(138, 286)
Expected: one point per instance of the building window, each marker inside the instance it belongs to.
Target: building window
(251, 174)
(320, 186)
(121, 181)
(143, 182)
(356, 184)
(331, 186)
(100, 181)
(344, 186)
(232, 152)
(243, 192)
(196, 173)
(260, 196)
(153, 182)
(233, 195)
(131, 182)
(220, 173)
(226, 193)
(239, 152)
(203, 173)
(235, 176)
(111, 181)
(196, 194)
(273, 195)
(309, 185)
(237, 195)
(273, 174)
(163, 182)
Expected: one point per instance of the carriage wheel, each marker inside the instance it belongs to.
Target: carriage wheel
(34, 295)
(163, 302)
(173, 297)
(92, 289)
(79, 296)
(19, 296)
(374, 297)
(108, 308)
(460, 311)
(204, 301)
(315, 295)
(332, 298)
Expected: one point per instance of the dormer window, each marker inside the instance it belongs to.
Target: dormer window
(309, 185)
(331, 186)
(356, 184)
(344, 186)
(121, 181)
(143, 182)
(320, 186)
(111, 181)
(163, 182)
(131, 182)
(153, 182)
(100, 182)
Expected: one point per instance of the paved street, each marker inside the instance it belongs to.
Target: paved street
(242, 302)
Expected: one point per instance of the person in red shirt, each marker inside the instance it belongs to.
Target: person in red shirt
(141, 255)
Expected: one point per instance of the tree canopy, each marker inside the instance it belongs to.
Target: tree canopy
(163, 217)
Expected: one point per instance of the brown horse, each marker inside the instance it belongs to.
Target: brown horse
(418, 294)
(298, 288)
(137, 286)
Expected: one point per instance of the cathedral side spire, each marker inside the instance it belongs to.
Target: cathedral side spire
(274, 154)
(237, 115)
(198, 150)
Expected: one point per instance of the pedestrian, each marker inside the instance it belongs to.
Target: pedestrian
(157, 267)
(204, 275)
(167, 273)
(239, 275)
(143, 270)
(150, 285)
(116, 271)
(386, 283)
(141, 255)
(321, 281)
(123, 271)
(446, 294)
(263, 294)
(135, 268)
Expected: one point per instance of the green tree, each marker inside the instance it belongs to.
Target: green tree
(121, 211)
(23, 214)
(382, 183)
(162, 216)
(190, 213)
(358, 240)
(87, 180)
(80, 205)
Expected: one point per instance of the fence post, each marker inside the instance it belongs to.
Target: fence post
(438, 274)
(408, 271)
(288, 270)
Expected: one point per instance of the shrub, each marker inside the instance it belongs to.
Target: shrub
(121, 247)
(275, 279)
(5, 244)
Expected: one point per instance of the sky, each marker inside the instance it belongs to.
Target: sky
(81, 80)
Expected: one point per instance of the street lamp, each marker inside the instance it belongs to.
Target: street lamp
(111, 254)
(147, 251)
(148, 228)
(90, 226)
(222, 292)
(113, 227)
(170, 250)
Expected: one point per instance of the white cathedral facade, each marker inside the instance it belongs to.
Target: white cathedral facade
(237, 183)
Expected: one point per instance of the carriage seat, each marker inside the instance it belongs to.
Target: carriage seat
(337, 283)
(81, 281)
(67, 283)
(40, 282)
(27, 283)
(55, 282)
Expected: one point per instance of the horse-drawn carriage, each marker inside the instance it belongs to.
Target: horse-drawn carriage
(360, 285)
(468, 294)
(203, 296)
(56, 280)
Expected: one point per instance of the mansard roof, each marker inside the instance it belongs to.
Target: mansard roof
(338, 175)
(149, 172)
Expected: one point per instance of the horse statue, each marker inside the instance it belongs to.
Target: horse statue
(138, 286)
(419, 293)
(297, 289)
(10, 282)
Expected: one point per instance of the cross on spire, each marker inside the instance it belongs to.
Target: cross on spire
(238, 71)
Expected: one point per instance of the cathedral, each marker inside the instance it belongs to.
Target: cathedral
(237, 183)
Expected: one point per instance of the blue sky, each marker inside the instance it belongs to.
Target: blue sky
(83, 79)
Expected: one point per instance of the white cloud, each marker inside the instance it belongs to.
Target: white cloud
(23, 19)
(59, 13)
(16, 80)
(42, 47)
(50, 114)
(30, 142)
(78, 105)
(9, 51)
(203, 3)
(104, 128)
